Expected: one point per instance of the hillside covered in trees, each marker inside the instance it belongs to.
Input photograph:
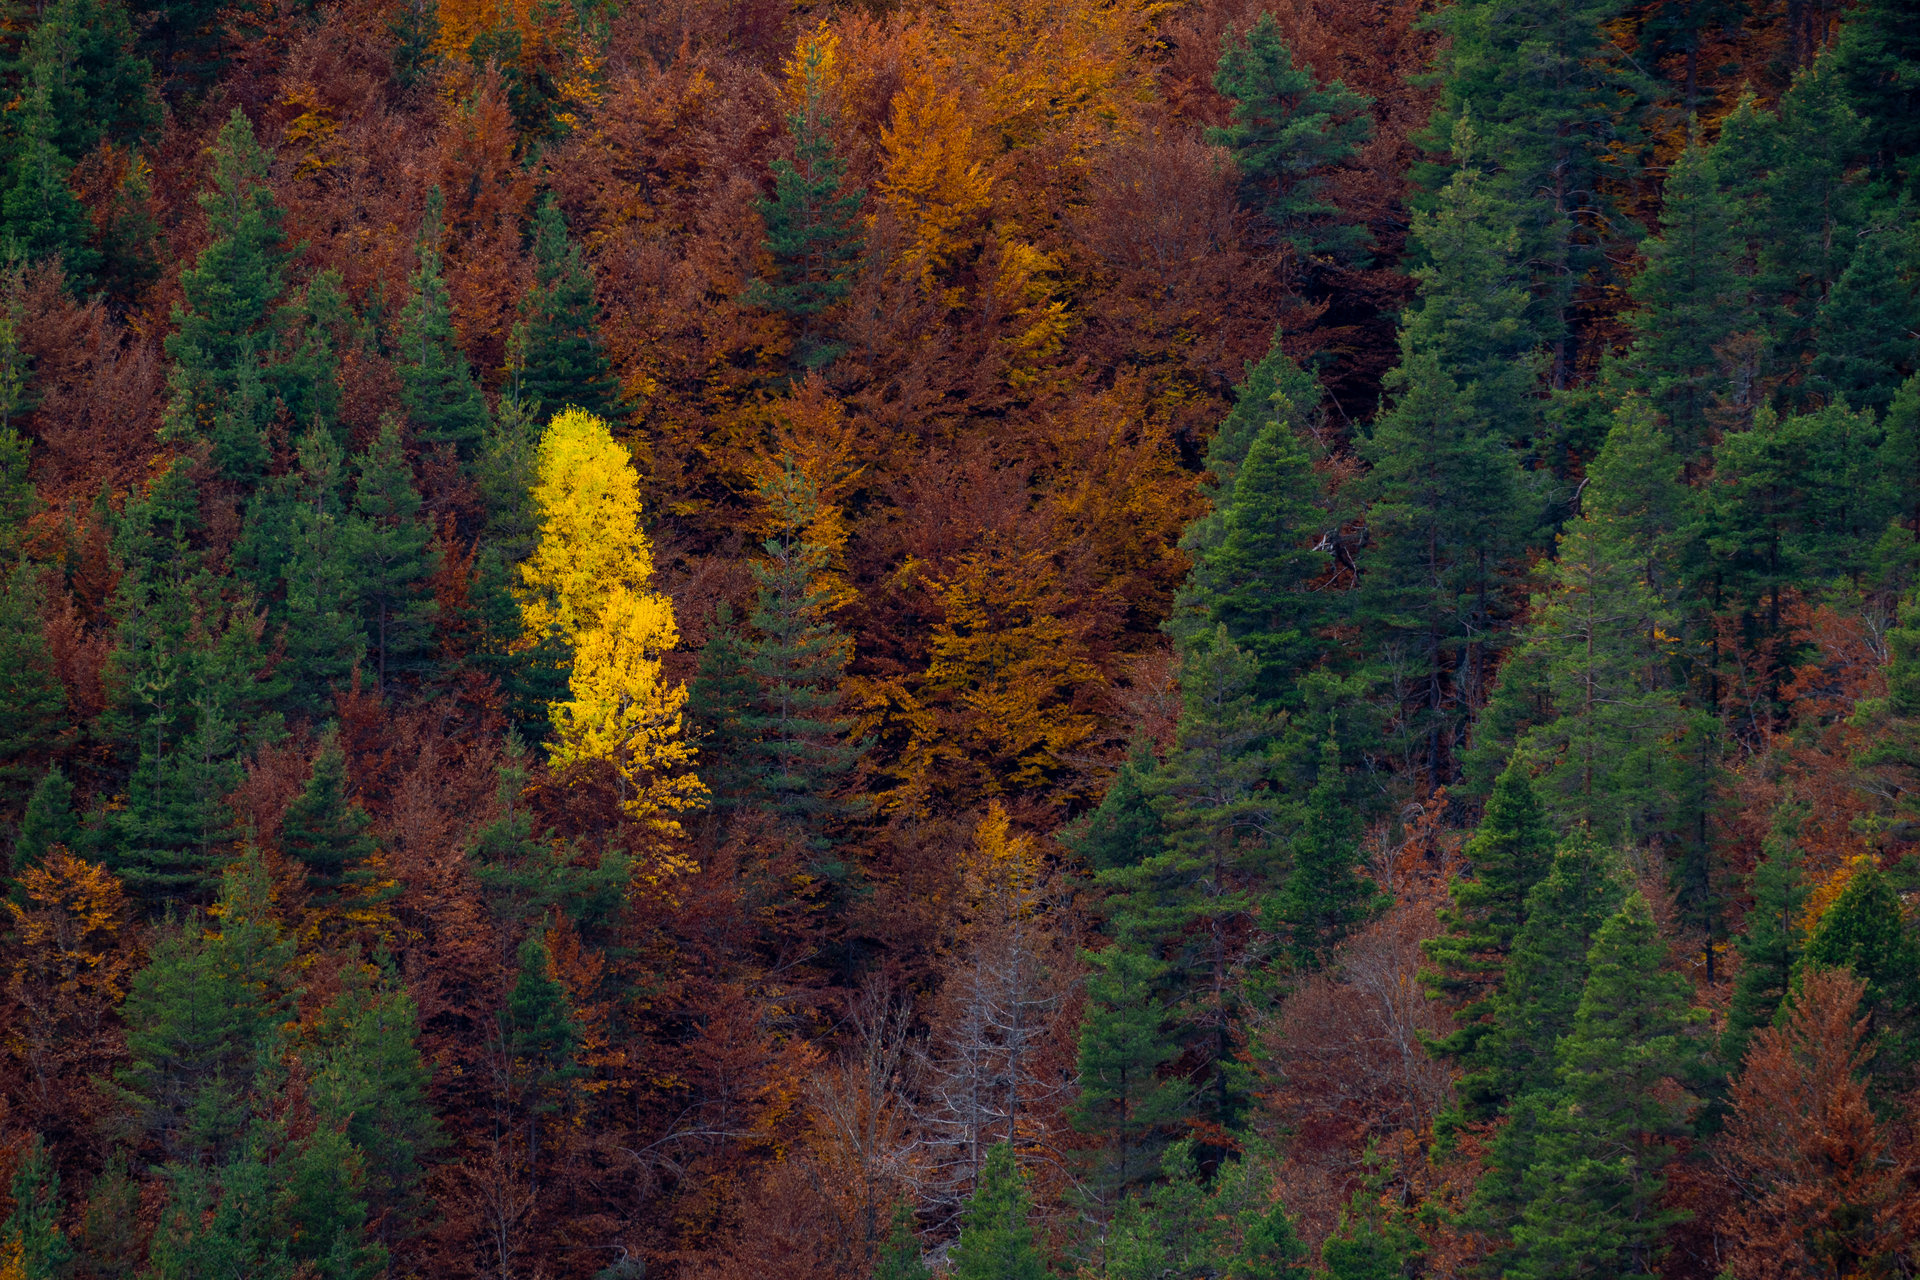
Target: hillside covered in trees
(1102, 639)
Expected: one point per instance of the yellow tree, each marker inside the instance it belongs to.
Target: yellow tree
(587, 585)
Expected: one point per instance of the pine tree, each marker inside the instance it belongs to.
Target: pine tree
(226, 325)
(1544, 975)
(997, 1239)
(1865, 931)
(1125, 1042)
(1877, 60)
(795, 745)
(31, 1242)
(1774, 937)
(321, 634)
(559, 361)
(814, 231)
(900, 1257)
(323, 829)
(1509, 854)
(1324, 899)
(1286, 134)
(1595, 1193)
(391, 547)
(1188, 1228)
(1867, 324)
(1689, 300)
(1125, 829)
(1372, 1240)
(33, 704)
(1559, 103)
(540, 1038)
(48, 821)
(43, 218)
(437, 389)
(99, 88)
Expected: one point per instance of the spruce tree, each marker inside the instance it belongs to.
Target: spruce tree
(1877, 61)
(1591, 1212)
(1286, 133)
(33, 703)
(559, 360)
(814, 231)
(1544, 975)
(1186, 1227)
(1124, 829)
(100, 89)
(1324, 899)
(43, 218)
(1126, 1040)
(321, 635)
(1774, 936)
(1890, 725)
(1689, 299)
(997, 1240)
(324, 830)
(1867, 324)
(1560, 105)
(30, 1237)
(392, 549)
(437, 389)
(900, 1257)
(1865, 930)
(541, 1038)
(1509, 853)
(49, 820)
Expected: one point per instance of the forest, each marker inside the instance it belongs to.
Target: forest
(891, 639)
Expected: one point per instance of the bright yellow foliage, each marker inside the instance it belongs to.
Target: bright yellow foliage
(587, 584)
(68, 932)
(934, 178)
(1004, 870)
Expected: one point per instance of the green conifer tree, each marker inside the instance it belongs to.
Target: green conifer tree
(814, 231)
(1124, 829)
(1324, 898)
(1126, 1041)
(1774, 936)
(392, 549)
(1866, 345)
(321, 635)
(49, 820)
(1286, 134)
(33, 704)
(1877, 60)
(1590, 1211)
(1865, 930)
(558, 359)
(900, 1257)
(1690, 299)
(1372, 1240)
(437, 388)
(43, 218)
(540, 1037)
(1186, 1227)
(1509, 854)
(997, 1240)
(31, 1236)
(99, 88)
(1544, 975)
(323, 829)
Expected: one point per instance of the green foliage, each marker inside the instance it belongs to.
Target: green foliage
(1125, 829)
(1126, 1041)
(900, 1257)
(1372, 1240)
(1594, 1209)
(1286, 134)
(1868, 324)
(99, 89)
(1878, 61)
(323, 830)
(997, 1240)
(1865, 930)
(391, 549)
(31, 1233)
(1185, 1227)
(43, 218)
(558, 360)
(1324, 898)
(33, 704)
(49, 820)
(1774, 938)
(1509, 854)
(814, 230)
(539, 1036)
(437, 388)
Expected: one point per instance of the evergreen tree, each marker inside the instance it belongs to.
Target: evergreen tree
(558, 359)
(1689, 300)
(1891, 725)
(49, 820)
(1508, 855)
(30, 1239)
(323, 830)
(900, 1257)
(1324, 899)
(1867, 324)
(99, 89)
(997, 1239)
(1595, 1193)
(392, 549)
(44, 219)
(1544, 976)
(795, 747)
(1865, 930)
(437, 389)
(1372, 1240)
(1124, 829)
(1286, 134)
(541, 1037)
(1775, 935)
(1877, 60)
(33, 704)
(1125, 1043)
(1559, 103)
(813, 221)
(322, 638)
(1189, 1228)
